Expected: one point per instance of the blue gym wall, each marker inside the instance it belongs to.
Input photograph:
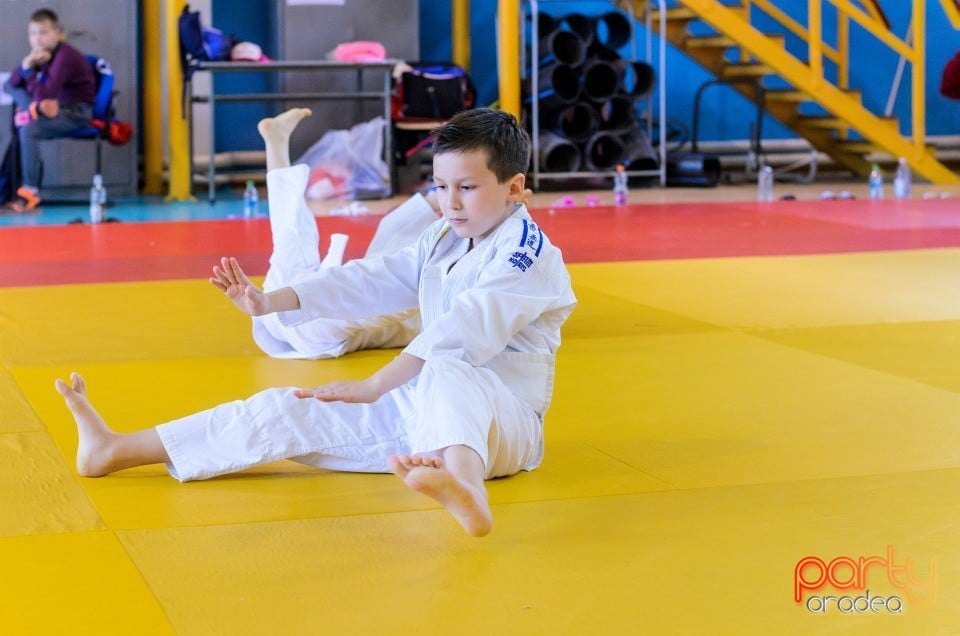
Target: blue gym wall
(725, 116)
(251, 21)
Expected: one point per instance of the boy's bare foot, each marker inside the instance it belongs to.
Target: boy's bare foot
(429, 475)
(96, 440)
(278, 129)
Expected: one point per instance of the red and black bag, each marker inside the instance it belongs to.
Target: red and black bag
(432, 91)
(117, 132)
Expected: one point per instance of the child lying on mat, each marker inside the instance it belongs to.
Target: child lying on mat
(462, 403)
(295, 255)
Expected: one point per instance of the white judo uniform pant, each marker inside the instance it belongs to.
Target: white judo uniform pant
(452, 403)
(296, 253)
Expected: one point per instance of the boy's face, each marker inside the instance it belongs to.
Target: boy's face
(43, 35)
(470, 198)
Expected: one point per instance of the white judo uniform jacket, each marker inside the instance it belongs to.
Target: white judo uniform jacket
(491, 328)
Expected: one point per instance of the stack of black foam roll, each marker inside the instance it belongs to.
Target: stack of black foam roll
(587, 94)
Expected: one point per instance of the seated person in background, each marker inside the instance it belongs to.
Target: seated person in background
(54, 90)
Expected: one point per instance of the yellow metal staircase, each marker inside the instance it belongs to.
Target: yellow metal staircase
(760, 55)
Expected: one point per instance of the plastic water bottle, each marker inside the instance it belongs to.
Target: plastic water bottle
(765, 184)
(251, 201)
(901, 180)
(98, 199)
(876, 182)
(620, 186)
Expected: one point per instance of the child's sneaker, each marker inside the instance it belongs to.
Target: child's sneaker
(26, 201)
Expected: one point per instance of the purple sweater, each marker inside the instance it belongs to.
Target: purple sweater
(66, 77)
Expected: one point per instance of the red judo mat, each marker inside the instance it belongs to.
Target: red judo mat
(114, 252)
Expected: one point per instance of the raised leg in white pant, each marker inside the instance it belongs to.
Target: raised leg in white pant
(292, 224)
(296, 250)
(296, 239)
(296, 253)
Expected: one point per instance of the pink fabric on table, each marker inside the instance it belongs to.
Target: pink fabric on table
(359, 52)
(248, 52)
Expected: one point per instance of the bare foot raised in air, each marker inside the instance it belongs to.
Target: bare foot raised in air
(101, 450)
(282, 125)
(276, 133)
(428, 475)
(96, 439)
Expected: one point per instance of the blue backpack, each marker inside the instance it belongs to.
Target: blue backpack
(199, 43)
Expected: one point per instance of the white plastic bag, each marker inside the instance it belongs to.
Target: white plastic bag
(348, 163)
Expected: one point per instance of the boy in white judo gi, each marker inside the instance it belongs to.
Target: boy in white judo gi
(464, 402)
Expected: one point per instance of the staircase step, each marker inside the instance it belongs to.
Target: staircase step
(835, 123)
(676, 13)
(863, 147)
(790, 95)
(638, 7)
(687, 15)
(823, 122)
(709, 42)
(724, 42)
(858, 147)
(787, 95)
(748, 69)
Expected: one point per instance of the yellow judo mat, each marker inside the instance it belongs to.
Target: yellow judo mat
(763, 445)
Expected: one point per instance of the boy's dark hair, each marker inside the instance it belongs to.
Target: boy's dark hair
(495, 132)
(45, 15)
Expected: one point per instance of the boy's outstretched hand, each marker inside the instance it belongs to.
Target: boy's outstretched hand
(359, 391)
(230, 279)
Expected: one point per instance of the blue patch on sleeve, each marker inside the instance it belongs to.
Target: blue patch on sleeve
(521, 260)
(532, 236)
(530, 241)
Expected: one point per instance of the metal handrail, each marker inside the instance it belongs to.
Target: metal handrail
(876, 11)
(952, 9)
(791, 25)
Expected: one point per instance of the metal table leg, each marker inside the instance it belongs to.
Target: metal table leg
(212, 169)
